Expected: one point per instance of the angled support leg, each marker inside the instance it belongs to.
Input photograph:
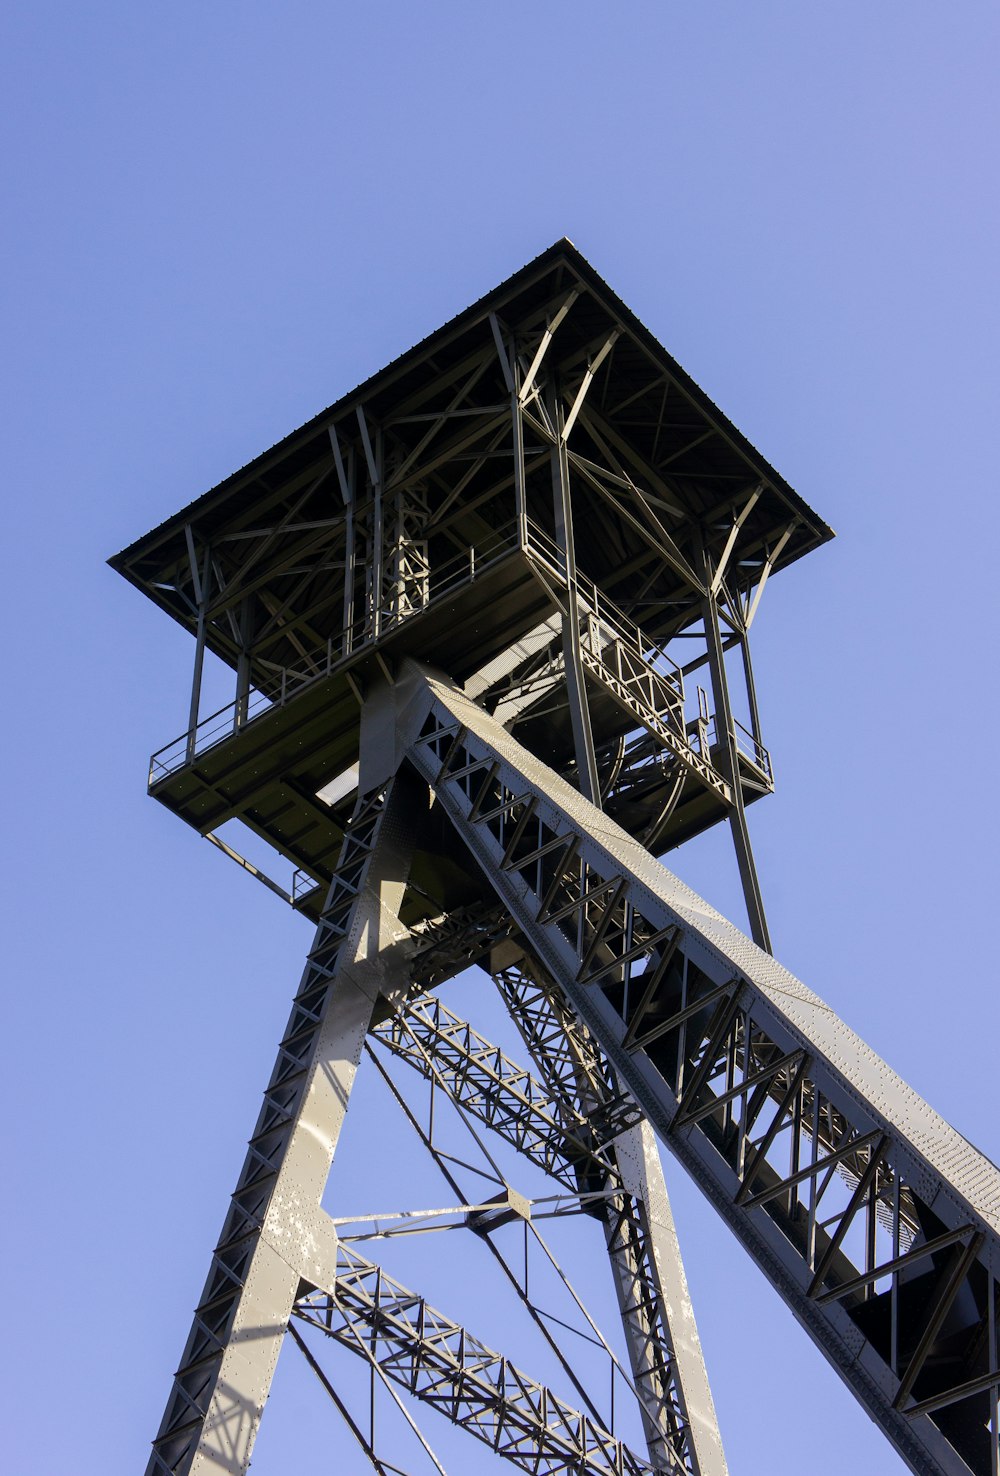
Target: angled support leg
(275, 1232)
(712, 1036)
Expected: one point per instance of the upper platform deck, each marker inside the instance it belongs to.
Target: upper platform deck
(416, 517)
(656, 444)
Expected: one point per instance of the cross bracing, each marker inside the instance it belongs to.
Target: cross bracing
(667, 1434)
(488, 618)
(670, 1378)
(380, 528)
(550, 1131)
(440, 1362)
(878, 1223)
(574, 1127)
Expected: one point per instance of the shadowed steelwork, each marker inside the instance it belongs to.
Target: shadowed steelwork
(488, 618)
(878, 1223)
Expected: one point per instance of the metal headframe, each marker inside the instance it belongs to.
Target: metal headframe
(489, 621)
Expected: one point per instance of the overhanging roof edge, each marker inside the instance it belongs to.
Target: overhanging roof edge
(578, 263)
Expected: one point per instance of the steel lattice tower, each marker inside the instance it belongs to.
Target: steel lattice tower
(489, 618)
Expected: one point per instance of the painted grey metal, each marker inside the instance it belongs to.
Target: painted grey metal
(744, 1071)
(668, 1366)
(483, 1224)
(275, 1232)
(538, 502)
(427, 494)
(579, 1127)
(564, 1140)
(576, 686)
(480, 1390)
(723, 707)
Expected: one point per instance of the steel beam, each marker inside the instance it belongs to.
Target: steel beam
(446, 1164)
(583, 737)
(439, 1362)
(200, 580)
(822, 1161)
(482, 1080)
(358, 954)
(668, 1367)
(727, 740)
(419, 493)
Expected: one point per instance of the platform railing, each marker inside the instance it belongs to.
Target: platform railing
(605, 626)
(287, 682)
(648, 689)
(755, 751)
(748, 746)
(613, 622)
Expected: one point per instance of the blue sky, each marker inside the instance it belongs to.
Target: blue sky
(220, 218)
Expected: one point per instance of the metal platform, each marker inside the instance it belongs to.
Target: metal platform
(488, 618)
(416, 518)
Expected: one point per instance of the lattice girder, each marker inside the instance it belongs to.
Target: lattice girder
(483, 1080)
(541, 503)
(439, 1362)
(877, 1223)
(274, 1228)
(661, 1334)
(579, 1127)
(596, 1124)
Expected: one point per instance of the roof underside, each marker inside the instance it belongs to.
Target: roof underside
(653, 434)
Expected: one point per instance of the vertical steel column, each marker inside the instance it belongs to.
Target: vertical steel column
(751, 686)
(993, 1344)
(243, 665)
(670, 1375)
(348, 487)
(583, 737)
(275, 1227)
(641, 1169)
(376, 551)
(201, 588)
(378, 520)
(350, 557)
(727, 739)
(520, 489)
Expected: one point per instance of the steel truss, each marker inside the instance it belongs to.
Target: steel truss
(402, 507)
(877, 1223)
(279, 1255)
(274, 1232)
(669, 1372)
(440, 1362)
(553, 1131)
(583, 1130)
(542, 459)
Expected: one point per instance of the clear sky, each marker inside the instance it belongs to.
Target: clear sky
(220, 217)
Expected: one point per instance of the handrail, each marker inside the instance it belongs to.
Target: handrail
(289, 681)
(750, 747)
(598, 604)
